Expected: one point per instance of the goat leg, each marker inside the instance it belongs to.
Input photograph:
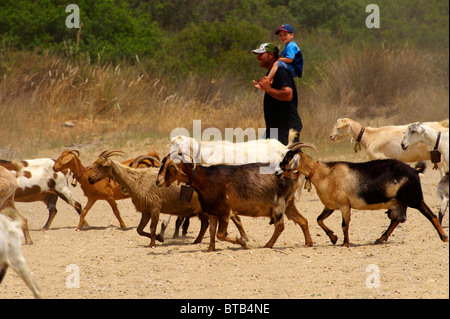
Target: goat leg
(325, 214)
(153, 224)
(26, 233)
(186, 223)
(212, 232)
(346, 224)
(19, 265)
(116, 212)
(50, 201)
(293, 214)
(237, 221)
(279, 227)
(442, 210)
(145, 217)
(388, 232)
(204, 225)
(84, 212)
(426, 211)
(178, 224)
(3, 270)
(222, 232)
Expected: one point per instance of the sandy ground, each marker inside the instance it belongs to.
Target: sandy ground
(115, 263)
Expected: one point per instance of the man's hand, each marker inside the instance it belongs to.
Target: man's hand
(256, 84)
(265, 84)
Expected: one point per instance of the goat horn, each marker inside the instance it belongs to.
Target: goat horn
(107, 154)
(298, 145)
(141, 158)
(75, 152)
(193, 161)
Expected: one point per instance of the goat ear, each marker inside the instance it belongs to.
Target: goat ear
(107, 163)
(65, 160)
(293, 163)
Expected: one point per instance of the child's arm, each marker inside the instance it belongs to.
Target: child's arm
(270, 76)
(273, 71)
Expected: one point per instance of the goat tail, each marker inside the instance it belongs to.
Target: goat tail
(420, 167)
(444, 123)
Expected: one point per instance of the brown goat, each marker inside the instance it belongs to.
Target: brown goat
(103, 190)
(240, 189)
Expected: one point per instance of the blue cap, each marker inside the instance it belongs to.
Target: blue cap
(285, 27)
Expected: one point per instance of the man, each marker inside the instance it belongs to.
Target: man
(280, 99)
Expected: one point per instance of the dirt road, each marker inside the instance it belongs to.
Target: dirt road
(115, 263)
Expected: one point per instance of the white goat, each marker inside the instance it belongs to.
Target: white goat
(40, 183)
(11, 249)
(423, 133)
(384, 142)
(8, 187)
(225, 152)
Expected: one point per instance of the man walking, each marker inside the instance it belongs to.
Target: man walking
(280, 99)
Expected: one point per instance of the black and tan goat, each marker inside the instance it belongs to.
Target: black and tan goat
(379, 184)
(225, 190)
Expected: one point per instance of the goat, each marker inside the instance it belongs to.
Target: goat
(378, 184)
(103, 190)
(11, 249)
(240, 189)
(181, 220)
(422, 133)
(225, 152)
(8, 186)
(384, 142)
(148, 199)
(442, 191)
(40, 183)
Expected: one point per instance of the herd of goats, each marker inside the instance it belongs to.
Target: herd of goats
(217, 191)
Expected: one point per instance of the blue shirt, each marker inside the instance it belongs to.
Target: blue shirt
(293, 52)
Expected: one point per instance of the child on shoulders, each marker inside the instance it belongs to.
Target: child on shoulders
(291, 57)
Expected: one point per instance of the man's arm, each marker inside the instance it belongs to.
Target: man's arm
(284, 94)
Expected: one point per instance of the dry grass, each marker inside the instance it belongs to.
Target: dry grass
(113, 105)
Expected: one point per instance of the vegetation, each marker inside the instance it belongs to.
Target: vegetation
(136, 69)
